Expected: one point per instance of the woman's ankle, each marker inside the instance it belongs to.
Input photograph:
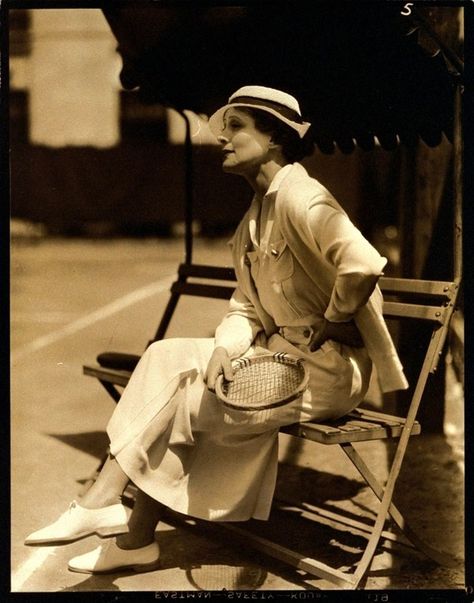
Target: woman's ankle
(99, 502)
(132, 541)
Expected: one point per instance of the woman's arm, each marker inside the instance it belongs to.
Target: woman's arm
(358, 267)
(358, 264)
(233, 337)
(239, 326)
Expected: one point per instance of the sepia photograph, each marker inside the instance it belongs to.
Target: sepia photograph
(236, 329)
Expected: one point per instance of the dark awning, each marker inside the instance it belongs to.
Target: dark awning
(357, 68)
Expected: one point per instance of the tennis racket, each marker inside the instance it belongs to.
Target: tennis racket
(263, 381)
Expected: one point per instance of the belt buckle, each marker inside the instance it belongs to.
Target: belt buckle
(300, 335)
(308, 333)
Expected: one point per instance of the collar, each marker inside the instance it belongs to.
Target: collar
(258, 240)
(273, 189)
(278, 178)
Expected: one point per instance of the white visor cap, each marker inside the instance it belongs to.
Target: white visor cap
(280, 104)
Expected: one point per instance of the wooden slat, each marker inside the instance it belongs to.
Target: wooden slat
(313, 432)
(202, 290)
(364, 424)
(416, 286)
(348, 427)
(323, 428)
(417, 311)
(105, 374)
(222, 273)
(380, 416)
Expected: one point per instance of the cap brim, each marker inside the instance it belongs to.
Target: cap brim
(216, 121)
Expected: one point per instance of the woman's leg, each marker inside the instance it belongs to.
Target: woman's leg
(107, 488)
(142, 523)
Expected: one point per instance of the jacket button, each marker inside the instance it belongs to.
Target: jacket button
(274, 252)
(306, 332)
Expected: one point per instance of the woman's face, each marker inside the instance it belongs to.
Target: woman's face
(244, 147)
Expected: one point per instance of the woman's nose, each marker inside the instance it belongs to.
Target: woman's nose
(222, 139)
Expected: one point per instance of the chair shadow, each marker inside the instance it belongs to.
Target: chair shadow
(316, 493)
(94, 443)
(429, 493)
(244, 568)
(300, 485)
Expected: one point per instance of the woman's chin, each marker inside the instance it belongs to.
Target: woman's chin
(230, 168)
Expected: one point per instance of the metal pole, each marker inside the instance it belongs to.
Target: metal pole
(458, 185)
(189, 202)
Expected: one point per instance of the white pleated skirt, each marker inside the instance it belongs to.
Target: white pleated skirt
(179, 444)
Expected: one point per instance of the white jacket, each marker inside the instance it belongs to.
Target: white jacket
(332, 254)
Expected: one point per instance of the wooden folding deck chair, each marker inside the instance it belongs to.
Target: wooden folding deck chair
(431, 302)
(416, 300)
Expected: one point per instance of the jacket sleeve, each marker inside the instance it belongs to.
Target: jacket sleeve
(357, 263)
(239, 326)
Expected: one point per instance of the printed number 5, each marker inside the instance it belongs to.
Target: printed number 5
(407, 8)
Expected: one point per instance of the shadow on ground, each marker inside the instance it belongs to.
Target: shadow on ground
(429, 493)
(94, 443)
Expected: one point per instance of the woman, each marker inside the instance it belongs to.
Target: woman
(307, 285)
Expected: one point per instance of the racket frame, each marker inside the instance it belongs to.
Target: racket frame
(245, 361)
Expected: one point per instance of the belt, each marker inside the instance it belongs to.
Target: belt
(349, 335)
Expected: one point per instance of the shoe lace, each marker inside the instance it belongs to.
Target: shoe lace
(72, 506)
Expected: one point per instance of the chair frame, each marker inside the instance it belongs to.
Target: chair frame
(428, 301)
(360, 425)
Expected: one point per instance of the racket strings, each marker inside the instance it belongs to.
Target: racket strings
(263, 382)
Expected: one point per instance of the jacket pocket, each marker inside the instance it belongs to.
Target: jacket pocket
(282, 273)
(281, 261)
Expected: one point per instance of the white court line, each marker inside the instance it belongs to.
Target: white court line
(27, 569)
(89, 319)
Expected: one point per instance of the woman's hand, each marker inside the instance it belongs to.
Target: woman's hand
(219, 363)
(343, 332)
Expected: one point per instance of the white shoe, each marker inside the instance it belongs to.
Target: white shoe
(109, 558)
(78, 522)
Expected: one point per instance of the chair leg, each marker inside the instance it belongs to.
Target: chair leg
(440, 557)
(312, 566)
(429, 364)
(111, 390)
